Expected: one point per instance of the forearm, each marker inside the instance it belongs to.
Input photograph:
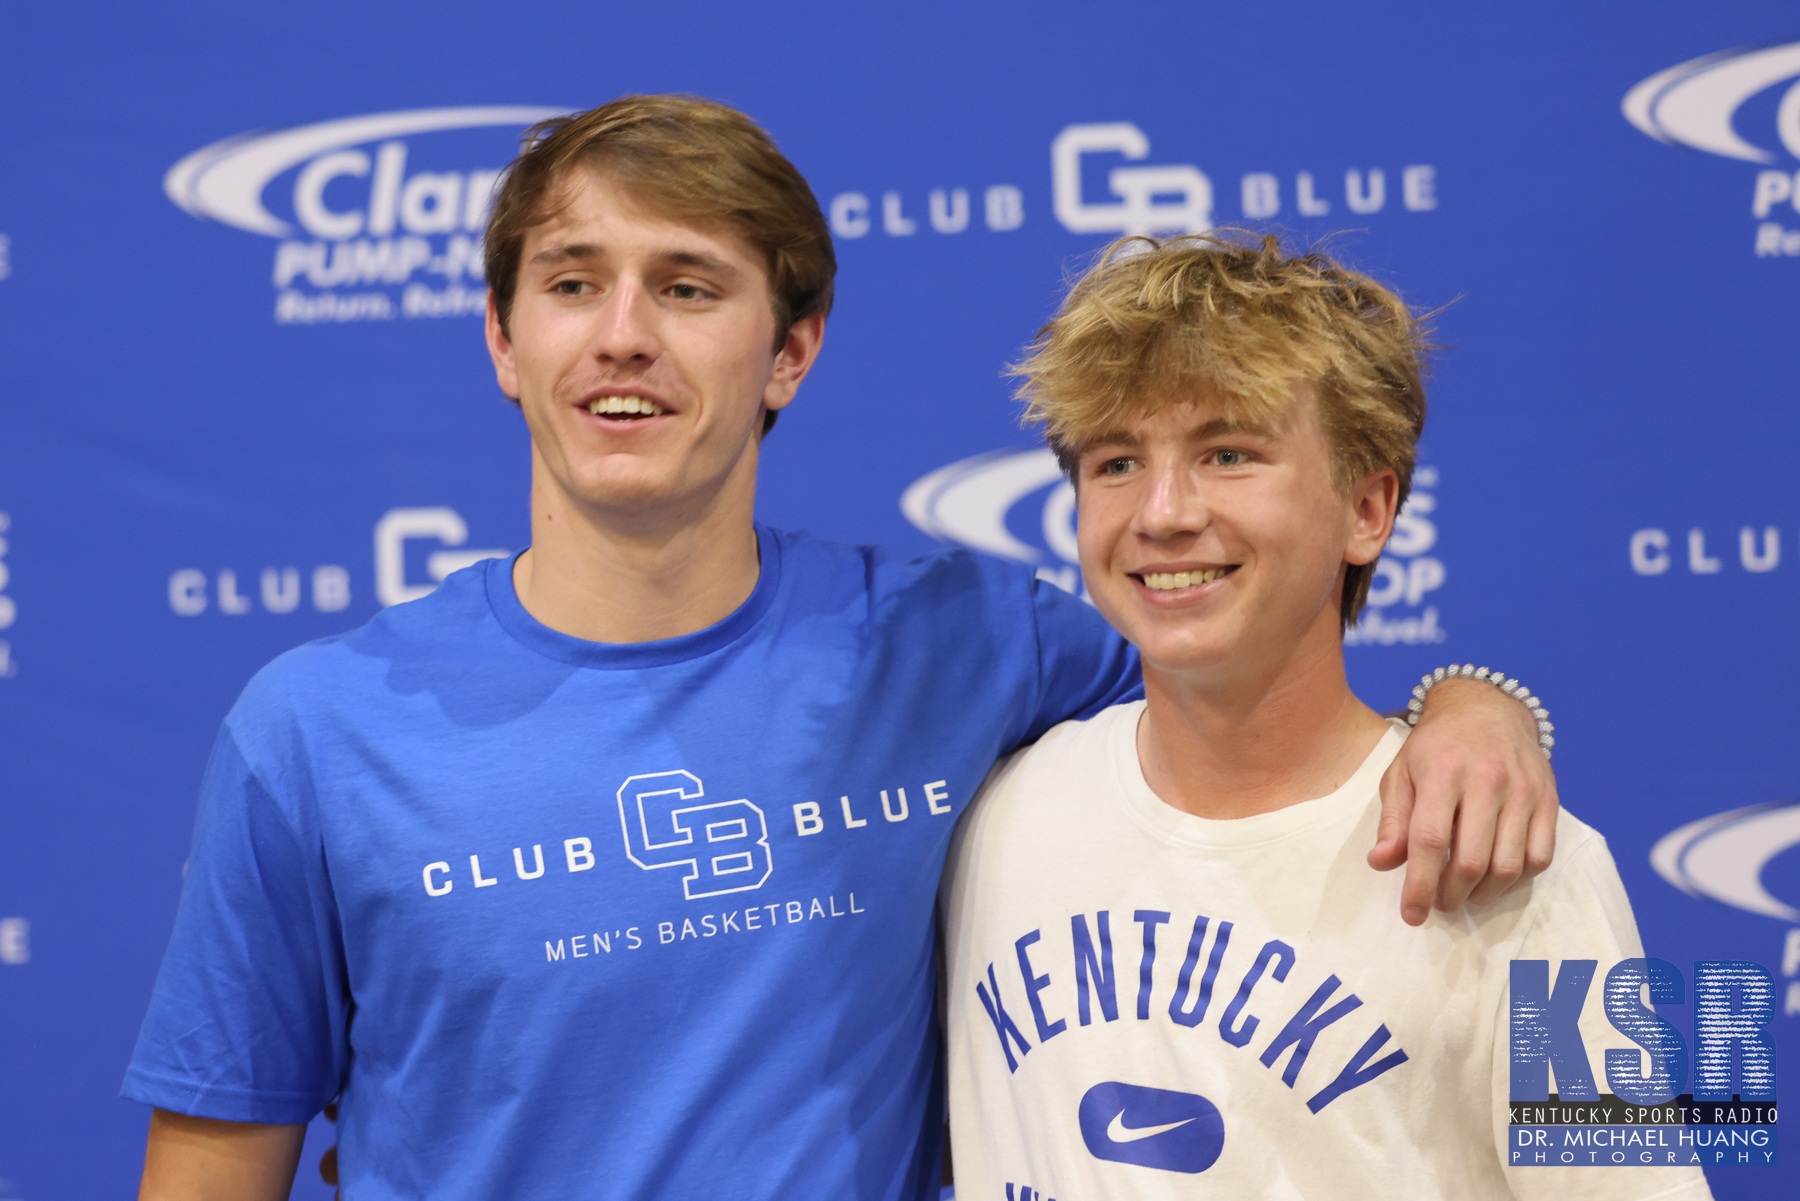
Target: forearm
(203, 1159)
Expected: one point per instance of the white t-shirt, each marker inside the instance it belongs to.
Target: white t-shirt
(1193, 1071)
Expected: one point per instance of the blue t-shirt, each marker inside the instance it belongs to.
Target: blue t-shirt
(571, 919)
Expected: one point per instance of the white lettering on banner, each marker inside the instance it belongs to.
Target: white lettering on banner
(893, 221)
(370, 221)
(950, 216)
(229, 600)
(1418, 188)
(9, 609)
(1773, 187)
(1178, 199)
(1003, 207)
(15, 941)
(1774, 240)
(1405, 575)
(1309, 204)
(397, 527)
(1696, 104)
(1758, 551)
(1650, 552)
(280, 591)
(1137, 211)
(1364, 197)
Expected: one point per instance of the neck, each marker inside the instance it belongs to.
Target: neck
(1230, 748)
(639, 574)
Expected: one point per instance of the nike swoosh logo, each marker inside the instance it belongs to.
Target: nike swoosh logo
(1119, 1132)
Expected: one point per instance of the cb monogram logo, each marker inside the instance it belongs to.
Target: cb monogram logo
(660, 814)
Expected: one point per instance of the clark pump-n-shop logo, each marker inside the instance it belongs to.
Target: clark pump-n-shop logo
(377, 217)
(1703, 103)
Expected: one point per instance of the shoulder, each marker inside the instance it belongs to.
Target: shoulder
(1067, 758)
(960, 580)
(332, 672)
(1581, 851)
(1579, 902)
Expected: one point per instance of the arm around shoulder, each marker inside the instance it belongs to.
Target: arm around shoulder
(203, 1159)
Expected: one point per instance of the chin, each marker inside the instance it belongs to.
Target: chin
(624, 489)
(1184, 659)
(1186, 650)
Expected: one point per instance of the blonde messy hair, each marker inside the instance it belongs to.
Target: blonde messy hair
(1229, 317)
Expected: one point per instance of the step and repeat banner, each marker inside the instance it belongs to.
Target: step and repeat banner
(244, 401)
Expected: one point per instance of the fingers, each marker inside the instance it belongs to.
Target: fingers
(1477, 818)
(1389, 851)
(1540, 842)
(1427, 841)
(1507, 864)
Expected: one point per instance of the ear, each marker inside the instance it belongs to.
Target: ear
(793, 360)
(500, 349)
(1372, 504)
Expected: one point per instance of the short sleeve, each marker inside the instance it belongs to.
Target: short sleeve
(247, 1022)
(1084, 664)
(1585, 915)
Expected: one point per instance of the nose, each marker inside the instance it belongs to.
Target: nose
(629, 328)
(1171, 506)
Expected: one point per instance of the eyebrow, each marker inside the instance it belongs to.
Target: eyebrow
(1200, 433)
(565, 252)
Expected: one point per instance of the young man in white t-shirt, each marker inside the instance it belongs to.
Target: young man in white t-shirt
(1170, 969)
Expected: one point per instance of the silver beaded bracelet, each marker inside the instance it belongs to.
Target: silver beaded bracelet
(1512, 688)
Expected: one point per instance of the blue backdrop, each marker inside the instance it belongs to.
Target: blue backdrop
(244, 400)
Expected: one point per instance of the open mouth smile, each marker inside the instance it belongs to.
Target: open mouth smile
(624, 408)
(1170, 581)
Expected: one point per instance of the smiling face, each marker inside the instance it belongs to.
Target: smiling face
(1218, 548)
(642, 354)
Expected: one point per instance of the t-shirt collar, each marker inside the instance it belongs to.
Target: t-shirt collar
(503, 599)
(1173, 825)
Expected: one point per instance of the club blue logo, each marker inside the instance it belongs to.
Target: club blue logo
(1151, 1127)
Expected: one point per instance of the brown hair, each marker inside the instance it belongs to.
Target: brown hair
(687, 159)
(1227, 315)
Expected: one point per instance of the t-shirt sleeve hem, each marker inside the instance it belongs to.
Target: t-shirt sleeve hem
(218, 1101)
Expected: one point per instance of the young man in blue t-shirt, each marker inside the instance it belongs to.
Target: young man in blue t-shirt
(609, 870)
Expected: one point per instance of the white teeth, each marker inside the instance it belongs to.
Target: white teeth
(606, 405)
(1164, 581)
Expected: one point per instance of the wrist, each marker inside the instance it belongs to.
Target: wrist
(1464, 684)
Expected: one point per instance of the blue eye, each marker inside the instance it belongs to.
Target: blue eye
(1229, 458)
(1115, 467)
